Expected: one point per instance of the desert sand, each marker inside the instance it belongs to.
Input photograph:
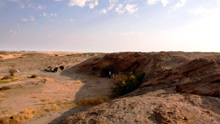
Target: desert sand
(178, 88)
(43, 99)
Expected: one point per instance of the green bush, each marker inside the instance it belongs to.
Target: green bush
(34, 76)
(125, 83)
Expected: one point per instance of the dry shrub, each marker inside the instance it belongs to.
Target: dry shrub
(32, 112)
(34, 76)
(12, 72)
(93, 101)
(19, 117)
(5, 88)
(7, 77)
(50, 105)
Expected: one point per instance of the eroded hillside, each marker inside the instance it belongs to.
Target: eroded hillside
(178, 88)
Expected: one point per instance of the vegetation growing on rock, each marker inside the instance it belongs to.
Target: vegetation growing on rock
(125, 83)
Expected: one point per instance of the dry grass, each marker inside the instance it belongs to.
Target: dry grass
(50, 105)
(29, 113)
(78, 81)
(13, 80)
(19, 117)
(7, 77)
(7, 81)
(93, 101)
(2, 82)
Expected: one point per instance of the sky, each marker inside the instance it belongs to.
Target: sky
(110, 25)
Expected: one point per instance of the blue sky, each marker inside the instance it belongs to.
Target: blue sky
(110, 25)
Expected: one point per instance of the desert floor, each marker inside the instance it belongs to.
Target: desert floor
(51, 96)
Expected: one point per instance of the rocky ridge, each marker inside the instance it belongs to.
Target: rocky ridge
(178, 88)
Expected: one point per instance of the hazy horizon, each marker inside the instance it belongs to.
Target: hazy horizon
(110, 26)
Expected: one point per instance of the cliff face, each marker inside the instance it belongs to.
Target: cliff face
(178, 88)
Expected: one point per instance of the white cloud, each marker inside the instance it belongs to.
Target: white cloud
(96, 2)
(103, 11)
(71, 20)
(23, 19)
(200, 10)
(131, 8)
(206, 12)
(44, 14)
(112, 4)
(120, 9)
(40, 7)
(57, 0)
(218, 2)
(163, 2)
(181, 3)
(32, 18)
(35, 6)
(53, 14)
(80, 3)
(132, 33)
(152, 2)
(93, 4)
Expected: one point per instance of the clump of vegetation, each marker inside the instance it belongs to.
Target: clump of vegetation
(13, 80)
(127, 82)
(55, 55)
(8, 81)
(12, 72)
(92, 101)
(34, 76)
(5, 88)
(7, 77)
(2, 82)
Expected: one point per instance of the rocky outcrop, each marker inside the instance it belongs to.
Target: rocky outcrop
(178, 88)
(189, 74)
(148, 109)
